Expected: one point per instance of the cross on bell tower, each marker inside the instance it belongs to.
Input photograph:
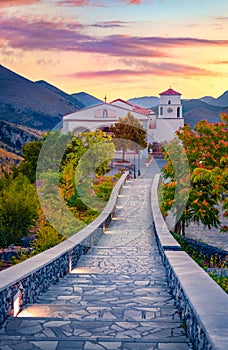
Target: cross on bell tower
(105, 99)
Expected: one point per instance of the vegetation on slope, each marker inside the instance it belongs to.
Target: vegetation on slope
(22, 215)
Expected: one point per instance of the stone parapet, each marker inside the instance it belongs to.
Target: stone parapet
(202, 304)
(21, 284)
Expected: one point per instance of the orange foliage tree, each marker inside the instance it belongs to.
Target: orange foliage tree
(206, 148)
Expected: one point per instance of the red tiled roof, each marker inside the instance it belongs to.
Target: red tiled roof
(120, 99)
(169, 92)
(136, 108)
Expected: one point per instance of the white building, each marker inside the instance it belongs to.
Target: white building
(103, 115)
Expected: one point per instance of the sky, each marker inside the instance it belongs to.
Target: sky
(118, 48)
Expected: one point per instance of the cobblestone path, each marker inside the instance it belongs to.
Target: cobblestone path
(116, 298)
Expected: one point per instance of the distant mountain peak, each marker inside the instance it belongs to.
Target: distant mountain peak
(146, 101)
(86, 99)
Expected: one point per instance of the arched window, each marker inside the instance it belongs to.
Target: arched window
(178, 112)
(161, 110)
(169, 102)
(105, 113)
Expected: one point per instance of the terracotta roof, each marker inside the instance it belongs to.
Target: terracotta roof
(136, 108)
(120, 99)
(169, 92)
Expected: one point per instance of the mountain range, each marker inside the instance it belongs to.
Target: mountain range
(27, 108)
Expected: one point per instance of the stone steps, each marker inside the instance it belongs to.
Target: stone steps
(61, 329)
(101, 312)
(116, 298)
(98, 344)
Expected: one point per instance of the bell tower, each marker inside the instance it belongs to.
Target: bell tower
(170, 106)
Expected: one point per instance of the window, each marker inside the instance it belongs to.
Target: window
(178, 112)
(161, 110)
(169, 102)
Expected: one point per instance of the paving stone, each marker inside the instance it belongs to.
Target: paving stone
(46, 345)
(174, 346)
(69, 345)
(139, 346)
(93, 346)
(111, 345)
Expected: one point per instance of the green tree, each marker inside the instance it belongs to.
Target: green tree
(46, 237)
(88, 155)
(128, 133)
(30, 152)
(18, 210)
(206, 148)
(68, 174)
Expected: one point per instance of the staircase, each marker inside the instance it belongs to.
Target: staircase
(116, 298)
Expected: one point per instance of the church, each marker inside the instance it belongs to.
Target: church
(160, 127)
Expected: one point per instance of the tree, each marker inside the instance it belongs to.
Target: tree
(206, 149)
(30, 152)
(88, 155)
(128, 133)
(46, 237)
(18, 210)
(68, 173)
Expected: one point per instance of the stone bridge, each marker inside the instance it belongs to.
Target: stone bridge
(120, 283)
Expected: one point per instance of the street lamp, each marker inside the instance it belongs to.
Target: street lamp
(139, 172)
(134, 167)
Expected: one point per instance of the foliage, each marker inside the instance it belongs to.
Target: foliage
(88, 155)
(46, 237)
(18, 210)
(222, 281)
(103, 186)
(128, 133)
(30, 152)
(206, 149)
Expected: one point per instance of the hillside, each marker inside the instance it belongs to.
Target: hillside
(195, 110)
(54, 89)
(221, 101)
(86, 99)
(195, 115)
(8, 160)
(31, 104)
(13, 137)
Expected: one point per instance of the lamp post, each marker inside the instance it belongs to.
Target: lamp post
(134, 167)
(139, 172)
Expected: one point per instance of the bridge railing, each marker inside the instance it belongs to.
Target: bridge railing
(21, 284)
(203, 305)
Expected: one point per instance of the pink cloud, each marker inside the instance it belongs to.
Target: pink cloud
(47, 35)
(76, 3)
(9, 3)
(159, 69)
(135, 2)
(110, 24)
(79, 3)
(220, 62)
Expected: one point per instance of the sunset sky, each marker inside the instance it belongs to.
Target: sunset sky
(118, 48)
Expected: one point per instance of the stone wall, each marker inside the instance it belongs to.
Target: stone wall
(21, 284)
(202, 304)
